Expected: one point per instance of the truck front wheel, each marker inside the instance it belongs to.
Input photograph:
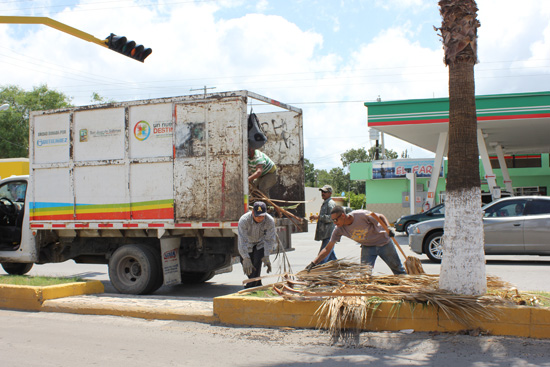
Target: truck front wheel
(133, 269)
(17, 268)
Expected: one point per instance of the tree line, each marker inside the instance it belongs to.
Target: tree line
(339, 177)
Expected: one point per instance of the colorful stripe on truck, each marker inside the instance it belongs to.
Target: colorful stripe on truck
(160, 209)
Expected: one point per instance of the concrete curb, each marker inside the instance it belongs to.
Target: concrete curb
(522, 321)
(77, 298)
(31, 298)
(144, 308)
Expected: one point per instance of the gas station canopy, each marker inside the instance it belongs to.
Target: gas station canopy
(516, 123)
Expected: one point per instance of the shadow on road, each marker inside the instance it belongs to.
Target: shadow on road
(205, 290)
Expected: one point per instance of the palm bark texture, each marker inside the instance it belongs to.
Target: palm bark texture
(463, 265)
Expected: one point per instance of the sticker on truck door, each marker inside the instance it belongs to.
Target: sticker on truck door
(190, 140)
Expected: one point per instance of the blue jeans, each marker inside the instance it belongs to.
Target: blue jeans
(387, 253)
(331, 256)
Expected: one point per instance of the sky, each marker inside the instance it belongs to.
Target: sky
(326, 57)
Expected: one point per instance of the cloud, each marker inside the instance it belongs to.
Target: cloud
(327, 60)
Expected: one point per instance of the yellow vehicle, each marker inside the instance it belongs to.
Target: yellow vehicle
(13, 166)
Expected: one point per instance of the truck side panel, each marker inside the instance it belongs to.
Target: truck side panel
(51, 138)
(101, 193)
(53, 197)
(151, 198)
(150, 131)
(99, 134)
(151, 179)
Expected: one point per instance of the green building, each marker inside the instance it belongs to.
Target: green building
(513, 142)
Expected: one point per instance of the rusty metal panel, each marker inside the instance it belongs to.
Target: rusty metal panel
(51, 140)
(150, 130)
(209, 158)
(99, 134)
(285, 147)
(190, 189)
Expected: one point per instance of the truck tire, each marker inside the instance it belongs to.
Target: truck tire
(134, 269)
(17, 268)
(160, 279)
(196, 278)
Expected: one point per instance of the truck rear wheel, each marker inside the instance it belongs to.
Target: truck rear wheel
(17, 268)
(134, 269)
(196, 278)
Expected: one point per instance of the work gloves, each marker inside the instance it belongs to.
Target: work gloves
(310, 266)
(267, 263)
(248, 268)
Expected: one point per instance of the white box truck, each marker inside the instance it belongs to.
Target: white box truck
(153, 188)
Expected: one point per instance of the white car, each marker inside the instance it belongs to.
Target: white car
(512, 226)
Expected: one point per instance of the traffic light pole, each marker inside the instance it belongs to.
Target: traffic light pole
(54, 24)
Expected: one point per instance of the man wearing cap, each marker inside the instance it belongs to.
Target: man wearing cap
(325, 226)
(257, 239)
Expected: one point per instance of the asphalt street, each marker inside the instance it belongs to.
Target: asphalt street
(54, 339)
(527, 273)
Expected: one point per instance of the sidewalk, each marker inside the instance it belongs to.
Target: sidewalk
(88, 298)
(146, 307)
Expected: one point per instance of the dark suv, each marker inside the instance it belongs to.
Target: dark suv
(405, 221)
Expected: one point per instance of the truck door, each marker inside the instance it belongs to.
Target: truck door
(285, 147)
(209, 161)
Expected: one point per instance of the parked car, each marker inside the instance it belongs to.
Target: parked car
(512, 226)
(405, 221)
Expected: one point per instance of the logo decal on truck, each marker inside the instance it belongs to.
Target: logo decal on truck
(142, 130)
(169, 255)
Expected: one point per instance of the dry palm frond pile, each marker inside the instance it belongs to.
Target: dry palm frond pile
(352, 294)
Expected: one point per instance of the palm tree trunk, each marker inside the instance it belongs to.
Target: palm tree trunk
(463, 264)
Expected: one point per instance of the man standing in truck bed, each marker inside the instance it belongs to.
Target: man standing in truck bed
(257, 239)
(265, 171)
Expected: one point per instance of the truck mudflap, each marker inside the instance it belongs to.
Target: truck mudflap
(170, 256)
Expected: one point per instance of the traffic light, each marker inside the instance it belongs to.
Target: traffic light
(121, 45)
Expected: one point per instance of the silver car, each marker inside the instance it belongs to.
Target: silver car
(512, 226)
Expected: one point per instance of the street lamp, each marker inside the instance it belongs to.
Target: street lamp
(5, 106)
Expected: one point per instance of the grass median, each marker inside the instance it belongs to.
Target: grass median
(37, 281)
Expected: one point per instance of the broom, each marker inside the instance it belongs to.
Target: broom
(412, 264)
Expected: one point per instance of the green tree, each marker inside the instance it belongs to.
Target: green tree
(339, 180)
(97, 98)
(354, 156)
(14, 122)
(309, 173)
(322, 178)
(356, 201)
(463, 266)
(361, 155)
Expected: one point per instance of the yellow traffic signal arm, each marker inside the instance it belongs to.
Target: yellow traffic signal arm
(54, 24)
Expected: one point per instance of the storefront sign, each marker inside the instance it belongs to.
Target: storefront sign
(398, 168)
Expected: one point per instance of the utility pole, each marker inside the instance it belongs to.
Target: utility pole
(204, 89)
